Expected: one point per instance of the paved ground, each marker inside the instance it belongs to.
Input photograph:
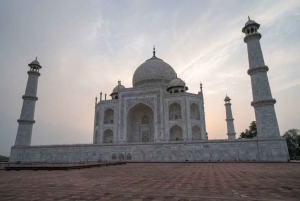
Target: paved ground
(158, 181)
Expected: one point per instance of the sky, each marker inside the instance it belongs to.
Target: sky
(86, 46)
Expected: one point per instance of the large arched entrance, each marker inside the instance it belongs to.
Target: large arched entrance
(140, 124)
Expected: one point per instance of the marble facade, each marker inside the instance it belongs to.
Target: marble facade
(157, 120)
(208, 150)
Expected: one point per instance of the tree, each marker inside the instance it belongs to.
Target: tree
(251, 132)
(292, 137)
(3, 158)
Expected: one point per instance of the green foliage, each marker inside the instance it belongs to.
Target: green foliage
(292, 137)
(3, 158)
(251, 132)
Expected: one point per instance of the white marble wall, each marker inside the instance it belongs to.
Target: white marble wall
(159, 101)
(213, 150)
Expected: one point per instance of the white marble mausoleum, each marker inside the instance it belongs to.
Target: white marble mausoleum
(157, 108)
(158, 120)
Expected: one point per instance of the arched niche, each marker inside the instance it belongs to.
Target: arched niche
(114, 156)
(140, 124)
(96, 137)
(108, 136)
(174, 111)
(109, 116)
(196, 133)
(129, 157)
(176, 133)
(97, 118)
(121, 157)
(194, 111)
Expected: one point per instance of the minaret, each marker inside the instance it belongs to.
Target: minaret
(202, 114)
(229, 119)
(26, 120)
(95, 121)
(263, 103)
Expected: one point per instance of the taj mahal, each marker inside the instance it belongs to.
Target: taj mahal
(158, 120)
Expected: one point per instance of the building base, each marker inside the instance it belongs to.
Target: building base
(274, 149)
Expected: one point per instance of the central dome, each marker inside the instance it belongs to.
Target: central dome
(152, 72)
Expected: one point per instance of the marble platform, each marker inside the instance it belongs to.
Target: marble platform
(270, 149)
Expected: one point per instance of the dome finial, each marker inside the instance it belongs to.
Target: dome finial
(248, 17)
(154, 50)
(35, 58)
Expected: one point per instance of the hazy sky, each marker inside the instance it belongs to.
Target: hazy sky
(86, 46)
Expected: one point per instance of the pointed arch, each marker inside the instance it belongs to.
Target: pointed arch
(108, 136)
(114, 156)
(174, 111)
(109, 115)
(121, 156)
(97, 118)
(96, 137)
(176, 133)
(196, 133)
(129, 157)
(194, 111)
(140, 124)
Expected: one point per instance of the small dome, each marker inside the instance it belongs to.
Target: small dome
(177, 82)
(35, 62)
(116, 89)
(227, 99)
(250, 22)
(35, 65)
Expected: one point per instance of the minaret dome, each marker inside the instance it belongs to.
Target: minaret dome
(35, 65)
(250, 27)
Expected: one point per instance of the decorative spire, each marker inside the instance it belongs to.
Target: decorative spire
(248, 17)
(153, 51)
(35, 58)
(200, 87)
(119, 82)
